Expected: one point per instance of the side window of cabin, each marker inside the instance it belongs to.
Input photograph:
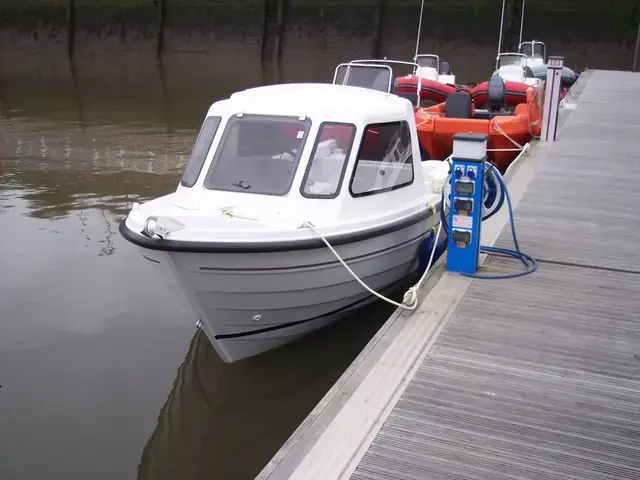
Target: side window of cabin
(384, 161)
(329, 157)
(199, 151)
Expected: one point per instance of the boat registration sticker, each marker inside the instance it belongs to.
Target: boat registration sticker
(462, 221)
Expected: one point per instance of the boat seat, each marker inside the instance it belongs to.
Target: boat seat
(496, 94)
(445, 68)
(458, 105)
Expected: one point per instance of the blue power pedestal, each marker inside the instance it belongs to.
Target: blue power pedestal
(465, 214)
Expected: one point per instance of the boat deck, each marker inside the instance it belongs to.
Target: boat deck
(532, 377)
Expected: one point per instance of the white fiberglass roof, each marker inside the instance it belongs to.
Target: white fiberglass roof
(318, 101)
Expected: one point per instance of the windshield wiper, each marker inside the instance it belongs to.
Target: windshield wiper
(242, 184)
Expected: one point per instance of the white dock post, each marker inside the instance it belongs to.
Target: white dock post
(552, 98)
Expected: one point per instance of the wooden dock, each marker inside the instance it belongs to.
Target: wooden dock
(532, 377)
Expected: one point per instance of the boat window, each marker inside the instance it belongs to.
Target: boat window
(375, 77)
(532, 50)
(200, 151)
(427, 62)
(508, 60)
(328, 160)
(385, 160)
(258, 154)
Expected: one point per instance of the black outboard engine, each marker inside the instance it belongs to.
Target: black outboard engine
(496, 94)
(445, 68)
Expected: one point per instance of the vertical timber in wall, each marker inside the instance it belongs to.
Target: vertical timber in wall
(277, 49)
(71, 26)
(376, 44)
(162, 14)
(265, 29)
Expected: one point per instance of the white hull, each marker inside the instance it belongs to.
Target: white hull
(253, 302)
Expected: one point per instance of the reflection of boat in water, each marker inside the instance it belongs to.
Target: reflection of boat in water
(276, 173)
(226, 421)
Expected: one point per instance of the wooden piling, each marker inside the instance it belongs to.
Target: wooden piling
(376, 43)
(71, 26)
(265, 29)
(162, 14)
(636, 49)
(277, 49)
(77, 93)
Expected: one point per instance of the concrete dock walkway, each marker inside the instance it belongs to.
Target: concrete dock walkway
(532, 377)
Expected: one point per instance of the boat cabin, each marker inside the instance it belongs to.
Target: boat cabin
(314, 142)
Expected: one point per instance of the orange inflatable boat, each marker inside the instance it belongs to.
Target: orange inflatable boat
(507, 130)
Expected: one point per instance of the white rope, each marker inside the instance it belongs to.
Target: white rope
(497, 127)
(410, 299)
(419, 30)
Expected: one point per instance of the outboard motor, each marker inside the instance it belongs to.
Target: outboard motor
(496, 94)
(445, 68)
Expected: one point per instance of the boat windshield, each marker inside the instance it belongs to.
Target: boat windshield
(427, 61)
(510, 59)
(532, 50)
(258, 154)
(375, 77)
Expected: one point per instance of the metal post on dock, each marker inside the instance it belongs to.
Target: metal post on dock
(552, 98)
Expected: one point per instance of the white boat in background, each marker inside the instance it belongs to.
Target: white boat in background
(513, 67)
(432, 69)
(536, 53)
(276, 171)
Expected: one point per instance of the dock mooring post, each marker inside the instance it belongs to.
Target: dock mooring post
(552, 98)
(465, 203)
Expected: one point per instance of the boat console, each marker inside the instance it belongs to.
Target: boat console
(460, 104)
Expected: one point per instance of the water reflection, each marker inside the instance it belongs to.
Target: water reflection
(62, 168)
(228, 420)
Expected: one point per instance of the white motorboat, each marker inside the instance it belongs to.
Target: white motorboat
(432, 69)
(536, 53)
(514, 67)
(274, 173)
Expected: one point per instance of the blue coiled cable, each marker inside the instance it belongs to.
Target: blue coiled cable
(528, 261)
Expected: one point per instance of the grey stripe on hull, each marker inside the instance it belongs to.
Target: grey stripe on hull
(304, 305)
(238, 348)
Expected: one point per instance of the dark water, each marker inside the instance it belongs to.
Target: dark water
(102, 372)
(102, 376)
